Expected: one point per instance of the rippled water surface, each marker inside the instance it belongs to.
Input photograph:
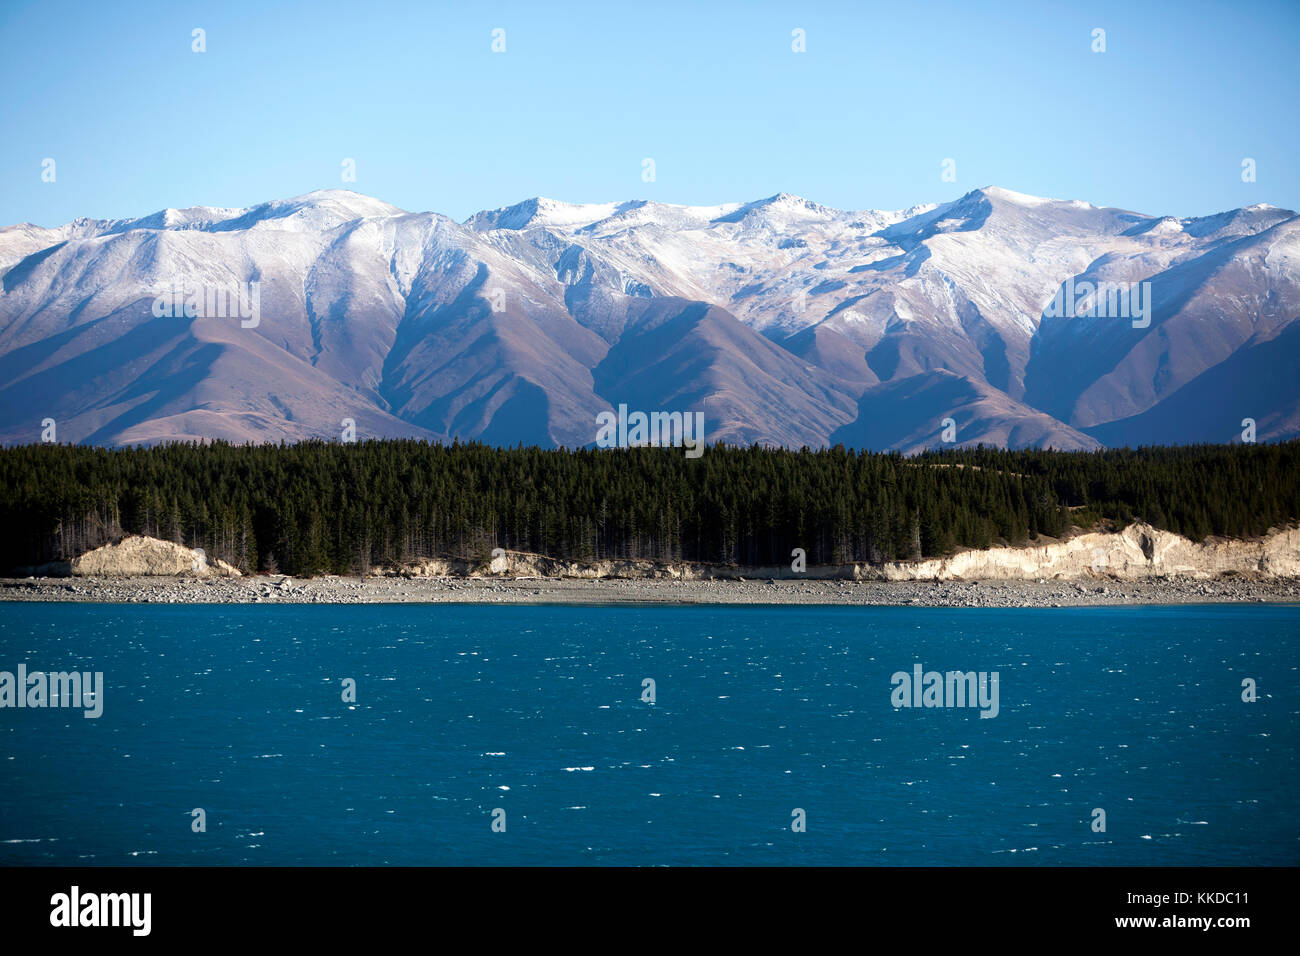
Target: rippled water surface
(461, 710)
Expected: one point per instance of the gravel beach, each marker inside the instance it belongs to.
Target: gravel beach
(279, 589)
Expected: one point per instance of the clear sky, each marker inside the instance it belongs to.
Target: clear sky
(584, 92)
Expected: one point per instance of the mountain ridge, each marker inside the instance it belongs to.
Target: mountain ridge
(798, 322)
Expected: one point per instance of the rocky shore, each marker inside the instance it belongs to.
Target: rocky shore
(1139, 565)
(264, 589)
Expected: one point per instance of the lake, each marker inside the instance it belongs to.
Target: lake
(532, 719)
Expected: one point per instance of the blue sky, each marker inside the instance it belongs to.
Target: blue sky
(1013, 92)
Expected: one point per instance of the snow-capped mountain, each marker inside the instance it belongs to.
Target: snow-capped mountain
(1000, 318)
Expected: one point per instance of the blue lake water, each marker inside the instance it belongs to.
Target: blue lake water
(759, 711)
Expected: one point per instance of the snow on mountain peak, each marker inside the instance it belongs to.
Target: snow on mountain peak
(541, 211)
(791, 318)
(342, 202)
(313, 211)
(567, 216)
(783, 208)
(1020, 199)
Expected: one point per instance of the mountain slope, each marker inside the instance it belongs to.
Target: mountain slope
(781, 320)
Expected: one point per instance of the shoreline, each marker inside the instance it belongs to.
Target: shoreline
(280, 589)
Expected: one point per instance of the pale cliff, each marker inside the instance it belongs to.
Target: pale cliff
(1139, 551)
(140, 556)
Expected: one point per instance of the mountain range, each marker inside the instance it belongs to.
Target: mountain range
(783, 321)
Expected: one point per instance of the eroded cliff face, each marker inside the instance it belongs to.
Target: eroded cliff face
(1139, 551)
(516, 564)
(140, 556)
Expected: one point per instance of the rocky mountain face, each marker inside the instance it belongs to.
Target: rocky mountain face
(998, 318)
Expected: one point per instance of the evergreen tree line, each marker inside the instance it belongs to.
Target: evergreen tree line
(318, 507)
